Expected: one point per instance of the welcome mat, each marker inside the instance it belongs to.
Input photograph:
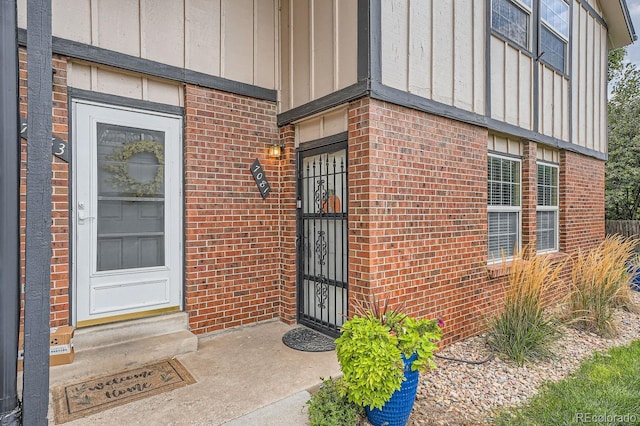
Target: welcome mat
(93, 395)
(307, 340)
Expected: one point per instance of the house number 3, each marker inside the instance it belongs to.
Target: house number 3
(58, 146)
(260, 178)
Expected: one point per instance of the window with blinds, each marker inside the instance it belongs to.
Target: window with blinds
(504, 206)
(547, 222)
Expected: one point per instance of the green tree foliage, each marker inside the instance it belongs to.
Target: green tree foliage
(622, 184)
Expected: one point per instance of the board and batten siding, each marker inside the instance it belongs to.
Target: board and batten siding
(112, 81)
(512, 79)
(233, 39)
(319, 50)
(589, 80)
(435, 49)
(554, 103)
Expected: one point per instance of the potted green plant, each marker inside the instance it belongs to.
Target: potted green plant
(381, 352)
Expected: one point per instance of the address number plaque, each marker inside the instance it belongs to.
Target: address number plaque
(260, 178)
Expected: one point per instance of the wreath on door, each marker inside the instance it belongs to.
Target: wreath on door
(119, 168)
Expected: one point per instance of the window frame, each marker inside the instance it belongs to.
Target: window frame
(566, 39)
(526, 9)
(556, 208)
(505, 209)
(536, 22)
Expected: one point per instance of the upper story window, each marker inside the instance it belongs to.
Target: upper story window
(554, 33)
(504, 207)
(511, 19)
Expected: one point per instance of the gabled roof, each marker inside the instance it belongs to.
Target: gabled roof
(621, 31)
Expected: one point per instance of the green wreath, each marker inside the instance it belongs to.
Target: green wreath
(121, 179)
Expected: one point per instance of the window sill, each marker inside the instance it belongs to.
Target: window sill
(497, 270)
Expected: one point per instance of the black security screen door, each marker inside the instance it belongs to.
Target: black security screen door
(322, 238)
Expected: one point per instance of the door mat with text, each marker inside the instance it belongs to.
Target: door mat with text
(93, 395)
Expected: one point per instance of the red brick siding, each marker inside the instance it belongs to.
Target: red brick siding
(581, 202)
(418, 214)
(232, 264)
(529, 193)
(60, 191)
(288, 184)
(417, 211)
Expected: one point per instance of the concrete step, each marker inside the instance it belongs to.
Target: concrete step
(124, 331)
(119, 346)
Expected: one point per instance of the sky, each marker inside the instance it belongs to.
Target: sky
(633, 51)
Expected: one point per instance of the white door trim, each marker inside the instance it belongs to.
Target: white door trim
(167, 294)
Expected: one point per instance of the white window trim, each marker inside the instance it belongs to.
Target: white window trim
(506, 209)
(555, 208)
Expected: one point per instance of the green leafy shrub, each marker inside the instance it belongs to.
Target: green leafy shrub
(600, 282)
(523, 330)
(328, 407)
(369, 351)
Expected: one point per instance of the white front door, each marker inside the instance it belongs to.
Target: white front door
(127, 215)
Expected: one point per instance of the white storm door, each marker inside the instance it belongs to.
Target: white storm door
(127, 202)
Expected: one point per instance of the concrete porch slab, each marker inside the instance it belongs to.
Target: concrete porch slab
(242, 376)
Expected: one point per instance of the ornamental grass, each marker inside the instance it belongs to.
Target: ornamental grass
(600, 282)
(523, 330)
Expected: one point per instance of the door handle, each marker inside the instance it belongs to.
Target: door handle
(82, 216)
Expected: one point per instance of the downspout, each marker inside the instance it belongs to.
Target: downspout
(10, 409)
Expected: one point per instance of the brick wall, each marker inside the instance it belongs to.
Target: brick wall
(581, 202)
(417, 211)
(418, 214)
(232, 235)
(60, 191)
(529, 193)
(287, 193)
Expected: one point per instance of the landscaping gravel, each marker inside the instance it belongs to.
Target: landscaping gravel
(466, 394)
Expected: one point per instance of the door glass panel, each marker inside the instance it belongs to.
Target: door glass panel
(130, 198)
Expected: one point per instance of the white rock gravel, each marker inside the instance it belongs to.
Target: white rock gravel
(466, 394)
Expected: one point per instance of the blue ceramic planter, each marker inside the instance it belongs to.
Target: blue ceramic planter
(634, 271)
(397, 410)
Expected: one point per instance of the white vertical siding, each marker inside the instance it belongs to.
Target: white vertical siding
(588, 80)
(322, 125)
(463, 80)
(202, 34)
(554, 105)
(442, 50)
(504, 144)
(233, 39)
(162, 31)
(116, 26)
(78, 28)
(435, 49)
(395, 52)
(112, 81)
(511, 84)
(420, 43)
(319, 48)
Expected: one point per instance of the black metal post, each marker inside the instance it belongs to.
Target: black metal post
(9, 216)
(35, 397)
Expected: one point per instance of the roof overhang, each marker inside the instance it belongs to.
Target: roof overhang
(621, 31)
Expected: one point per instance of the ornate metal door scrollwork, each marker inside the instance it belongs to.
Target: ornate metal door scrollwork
(322, 238)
